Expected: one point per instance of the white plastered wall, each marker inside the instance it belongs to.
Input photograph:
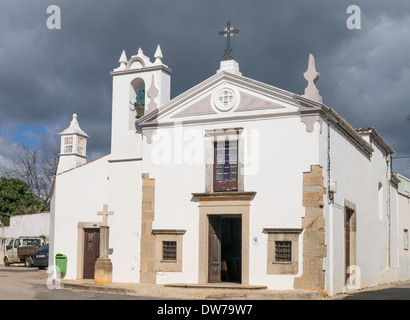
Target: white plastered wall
(358, 178)
(281, 150)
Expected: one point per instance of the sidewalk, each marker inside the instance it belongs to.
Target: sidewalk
(191, 292)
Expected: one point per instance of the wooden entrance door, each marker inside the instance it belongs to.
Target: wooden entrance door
(214, 266)
(225, 248)
(91, 251)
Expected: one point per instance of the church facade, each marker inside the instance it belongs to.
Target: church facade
(234, 180)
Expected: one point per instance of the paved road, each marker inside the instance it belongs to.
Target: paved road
(20, 283)
(396, 293)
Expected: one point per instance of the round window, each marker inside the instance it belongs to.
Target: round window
(225, 99)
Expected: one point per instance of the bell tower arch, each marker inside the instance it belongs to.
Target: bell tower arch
(139, 87)
(137, 101)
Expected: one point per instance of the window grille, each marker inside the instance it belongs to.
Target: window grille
(169, 250)
(283, 251)
(226, 98)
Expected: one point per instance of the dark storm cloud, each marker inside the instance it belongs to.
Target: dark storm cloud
(47, 75)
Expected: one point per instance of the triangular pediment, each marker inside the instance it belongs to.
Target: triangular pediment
(224, 96)
(198, 108)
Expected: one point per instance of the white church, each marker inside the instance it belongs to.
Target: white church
(233, 180)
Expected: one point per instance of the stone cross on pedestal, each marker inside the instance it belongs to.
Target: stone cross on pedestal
(103, 265)
(105, 213)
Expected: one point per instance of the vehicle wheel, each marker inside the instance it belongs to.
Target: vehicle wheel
(6, 262)
(29, 262)
(41, 268)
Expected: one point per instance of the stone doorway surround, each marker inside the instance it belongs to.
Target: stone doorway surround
(80, 244)
(223, 203)
(350, 233)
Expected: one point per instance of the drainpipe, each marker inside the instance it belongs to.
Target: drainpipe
(330, 202)
(331, 250)
(389, 211)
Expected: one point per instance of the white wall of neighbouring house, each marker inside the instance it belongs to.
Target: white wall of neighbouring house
(358, 178)
(403, 199)
(37, 224)
(404, 223)
(28, 225)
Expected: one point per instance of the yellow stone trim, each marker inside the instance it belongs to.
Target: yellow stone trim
(314, 247)
(223, 204)
(148, 241)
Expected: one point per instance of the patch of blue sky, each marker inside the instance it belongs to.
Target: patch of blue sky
(30, 135)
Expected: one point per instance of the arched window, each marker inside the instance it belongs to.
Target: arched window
(137, 101)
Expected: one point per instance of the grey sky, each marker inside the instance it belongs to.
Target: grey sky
(47, 75)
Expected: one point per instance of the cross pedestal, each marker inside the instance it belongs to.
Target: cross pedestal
(103, 265)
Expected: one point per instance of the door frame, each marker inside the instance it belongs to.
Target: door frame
(223, 203)
(349, 226)
(222, 219)
(80, 244)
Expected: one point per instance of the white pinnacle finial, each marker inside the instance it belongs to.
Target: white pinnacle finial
(74, 127)
(123, 58)
(74, 122)
(123, 61)
(311, 75)
(158, 55)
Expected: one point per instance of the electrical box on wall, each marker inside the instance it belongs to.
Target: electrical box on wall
(333, 186)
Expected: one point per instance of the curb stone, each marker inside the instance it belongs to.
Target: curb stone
(86, 287)
(276, 295)
(228, 294)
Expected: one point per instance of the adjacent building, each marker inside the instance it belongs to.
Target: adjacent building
(404, 226)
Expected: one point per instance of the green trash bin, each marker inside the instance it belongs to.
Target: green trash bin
(61, 263)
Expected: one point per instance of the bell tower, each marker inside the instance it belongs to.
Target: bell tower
(73, 147)
(139, 87)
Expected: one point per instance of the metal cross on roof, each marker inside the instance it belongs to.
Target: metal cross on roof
(228, 33)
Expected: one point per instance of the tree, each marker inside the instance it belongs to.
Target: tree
(16, 198)
(34, 167)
